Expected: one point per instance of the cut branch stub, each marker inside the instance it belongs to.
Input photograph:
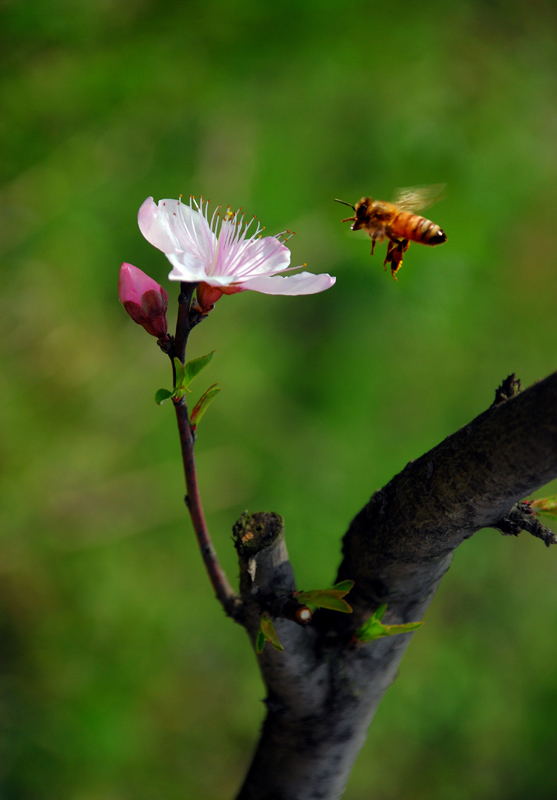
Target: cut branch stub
(522, 518)
(264, 564)
(265, 570)
(266, 576)
(266, 579)
(255, 532)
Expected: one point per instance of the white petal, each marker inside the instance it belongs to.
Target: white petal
(221, 280)
(176, 228)
(154, 227)
(303, 283)
(186, 268)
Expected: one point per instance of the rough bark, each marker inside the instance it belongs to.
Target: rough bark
(324, 688)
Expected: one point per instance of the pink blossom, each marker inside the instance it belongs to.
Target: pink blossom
(219, 253)
(144, 300)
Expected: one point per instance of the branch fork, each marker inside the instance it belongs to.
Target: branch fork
(323, 689)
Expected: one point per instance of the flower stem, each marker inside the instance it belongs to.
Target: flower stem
(224, 592)
(184, 323)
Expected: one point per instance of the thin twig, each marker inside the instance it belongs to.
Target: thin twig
(219, 581)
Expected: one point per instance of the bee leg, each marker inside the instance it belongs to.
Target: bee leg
(393, 257)
(395, 254)
(389, 256)
(373, 240)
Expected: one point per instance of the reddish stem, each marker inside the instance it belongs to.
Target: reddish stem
(223, 590)
(219, 581)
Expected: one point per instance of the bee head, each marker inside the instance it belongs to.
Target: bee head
(363, 207)
(361, 213)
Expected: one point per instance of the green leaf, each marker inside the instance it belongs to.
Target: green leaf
(180, 371)
(162, 396)
(372, 629)
(203, 404)
(343, 586)
(267, 633)
(185, 373)
(194, 367)
(392, 630)
(260, 640)
(328, 598)
(544, 505)
(180, 385)
(375, 629)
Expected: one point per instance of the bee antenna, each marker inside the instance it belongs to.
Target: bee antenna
(345, 204)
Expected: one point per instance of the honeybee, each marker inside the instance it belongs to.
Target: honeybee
(398, 222)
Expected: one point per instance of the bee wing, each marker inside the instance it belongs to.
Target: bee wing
(412, 198)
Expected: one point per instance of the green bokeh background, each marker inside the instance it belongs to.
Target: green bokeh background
(120, 677)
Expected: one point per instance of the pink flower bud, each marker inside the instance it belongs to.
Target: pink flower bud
(144, 300)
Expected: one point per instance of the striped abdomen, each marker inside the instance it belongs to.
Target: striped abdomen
(416, 229)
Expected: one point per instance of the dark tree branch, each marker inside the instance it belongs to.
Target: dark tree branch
(324, 689)
(468, 482)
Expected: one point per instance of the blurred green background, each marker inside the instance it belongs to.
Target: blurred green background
(120, 677)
